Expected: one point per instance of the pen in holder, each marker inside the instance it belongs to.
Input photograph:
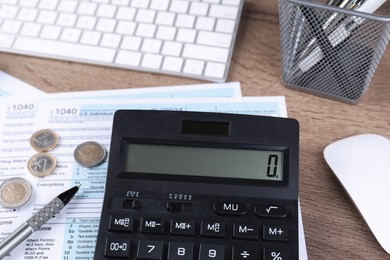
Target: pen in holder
(332, 48)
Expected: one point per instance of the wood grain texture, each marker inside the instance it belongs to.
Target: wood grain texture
(333, 227)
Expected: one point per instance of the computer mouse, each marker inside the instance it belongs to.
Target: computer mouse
(362, 165)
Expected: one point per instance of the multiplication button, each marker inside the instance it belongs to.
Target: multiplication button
(117, 248)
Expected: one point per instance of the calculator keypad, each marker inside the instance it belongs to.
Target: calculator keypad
(198, 231)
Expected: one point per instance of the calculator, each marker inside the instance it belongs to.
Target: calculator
(200, 186)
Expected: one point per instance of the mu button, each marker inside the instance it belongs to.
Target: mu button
(229, 208)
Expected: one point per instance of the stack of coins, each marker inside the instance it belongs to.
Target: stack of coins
(43, 163)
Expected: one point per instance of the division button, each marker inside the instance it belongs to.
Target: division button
(117, 248)
(244, 253)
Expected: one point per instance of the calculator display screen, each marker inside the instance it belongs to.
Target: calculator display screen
(204, 161)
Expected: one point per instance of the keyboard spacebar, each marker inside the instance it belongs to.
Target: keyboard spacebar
(64, 49)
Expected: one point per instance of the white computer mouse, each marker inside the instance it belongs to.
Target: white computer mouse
(362, 165)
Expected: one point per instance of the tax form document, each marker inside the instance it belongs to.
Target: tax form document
(72, 235)
(10, 86)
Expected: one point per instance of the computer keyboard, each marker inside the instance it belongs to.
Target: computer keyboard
(186, 38)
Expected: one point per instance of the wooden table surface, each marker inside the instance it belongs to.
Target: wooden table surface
(333, 227)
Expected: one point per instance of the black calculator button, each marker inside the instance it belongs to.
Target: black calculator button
(117, 248)
(180, 251)
(229, 208)
(270, 211)
(212, 229)
(244, 253)
(243, 231)
(152, 226)
(275, 233)
(184, 228)
(211, 252)
(150, 249)
(121, 223)
(275, 254)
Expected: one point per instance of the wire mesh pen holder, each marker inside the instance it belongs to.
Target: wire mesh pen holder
(330, 51)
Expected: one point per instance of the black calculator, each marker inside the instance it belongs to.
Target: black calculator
(200, 186)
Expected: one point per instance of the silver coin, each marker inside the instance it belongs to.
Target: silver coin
(15, 192)
(44, 140)
(41, 164)
(89, 154)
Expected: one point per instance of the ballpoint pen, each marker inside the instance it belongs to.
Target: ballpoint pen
(338, 35)
(36, 221)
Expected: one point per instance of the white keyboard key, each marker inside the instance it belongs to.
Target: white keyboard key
(140, 3)
(70, 35)
(27, 14)
(56, 48)
(172, 64)
(47, 17)
(11, 2)
(193, 51)
(67, 6)
(151, 61)
(214, 39)
(101, 1)
(131, 43)
(48, 4)
(106, 11)
(205, 23)
(185, 21)
(215, 70)
(120, 2)
(10, 26)
(106, 25)
(30, 29)
(8, 11)
(220, 11)
(172, 48)
(194, 67)
(6, 40)
(65, 19)
(86, 22)
(225, 26)
(231, 2)
(198, 8)
(212, 1)
(50, 32)
(166, 33)
(145, 16)
(165, 18)
(87, 8)
(110, 40)
(161, 5)
(90, 37)
(145, 30)
(126, 13)
(186, 35)
(151, 46)
(128, 58)
(126, 27)
(179, 6)
(28, 3)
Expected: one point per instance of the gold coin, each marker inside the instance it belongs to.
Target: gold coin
(14, 192)
(44, 140)
(41, 164)
(89, 154)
